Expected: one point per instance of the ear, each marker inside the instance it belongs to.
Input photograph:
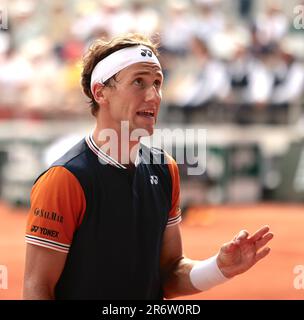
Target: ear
(99, 94)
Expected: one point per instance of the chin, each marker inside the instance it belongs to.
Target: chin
(143, 131)
(146, 132)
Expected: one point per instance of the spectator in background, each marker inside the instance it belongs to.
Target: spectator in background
(175, 36)
(86, 20)
(109, 15)
(271, 25)
(177, 29)
(43, 96)
(261, 78)
(70, 73)
(15, 72)
(28, 21)
(5, 37)
(144, 19)
(58, 25)
(288, 85)
(204, 82)
(251, 84)
(240, 68)
(225, 43)
(209, 19)
(245, 9)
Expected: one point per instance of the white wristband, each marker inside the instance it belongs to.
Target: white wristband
(206, 274)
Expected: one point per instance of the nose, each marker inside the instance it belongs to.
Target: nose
(153, 94)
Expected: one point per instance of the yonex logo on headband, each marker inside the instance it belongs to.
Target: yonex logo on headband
(145, 52)
(119, 60)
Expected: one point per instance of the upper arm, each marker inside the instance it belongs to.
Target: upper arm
(171, 250)
(57, 208)
(43, 268)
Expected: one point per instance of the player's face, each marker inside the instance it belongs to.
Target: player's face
(137, 96)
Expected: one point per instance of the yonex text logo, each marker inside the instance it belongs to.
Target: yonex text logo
(145, 52)
(298, 21)
(34, 228)
(45, 231)
(3, 277)
(3, 18)
(298, 281)
(154, 179)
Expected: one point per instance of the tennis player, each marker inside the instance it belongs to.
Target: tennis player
(105, 224)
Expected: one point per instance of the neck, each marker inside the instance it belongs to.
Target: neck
(117, 144)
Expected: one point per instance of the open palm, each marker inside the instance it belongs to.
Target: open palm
(241, 253)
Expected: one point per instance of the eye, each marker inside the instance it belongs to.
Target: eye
(157, 83)
(139, 82)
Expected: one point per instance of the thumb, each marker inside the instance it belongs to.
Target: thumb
(228, 247)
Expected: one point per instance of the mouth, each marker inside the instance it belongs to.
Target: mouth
(149, 113)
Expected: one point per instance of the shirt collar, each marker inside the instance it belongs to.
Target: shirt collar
(102, 156)
(106, 159)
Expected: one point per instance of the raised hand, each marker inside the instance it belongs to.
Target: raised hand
(244, 251)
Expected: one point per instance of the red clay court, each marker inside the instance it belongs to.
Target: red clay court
(204, 230)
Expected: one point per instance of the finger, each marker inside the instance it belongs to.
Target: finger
(259, 234)
(262, 242)
(243, 234)
(262, 254)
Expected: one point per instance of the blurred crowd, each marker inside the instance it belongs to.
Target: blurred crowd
(223, 60)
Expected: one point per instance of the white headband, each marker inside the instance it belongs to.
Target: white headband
(119, 60)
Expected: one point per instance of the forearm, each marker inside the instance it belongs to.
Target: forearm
(177, 281)
(191, 276)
